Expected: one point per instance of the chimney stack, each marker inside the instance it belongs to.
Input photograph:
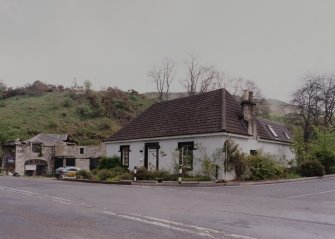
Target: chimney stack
(248, 112)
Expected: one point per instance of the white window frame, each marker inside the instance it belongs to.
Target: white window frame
(286, 135)
(273, 132)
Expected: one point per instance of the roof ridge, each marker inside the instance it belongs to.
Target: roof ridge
(190, 96)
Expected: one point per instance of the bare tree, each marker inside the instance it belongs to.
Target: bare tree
(163, 76)
(236, 86)
(314, 103)
(200, 78)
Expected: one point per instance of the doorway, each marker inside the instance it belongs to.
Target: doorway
(151, 156)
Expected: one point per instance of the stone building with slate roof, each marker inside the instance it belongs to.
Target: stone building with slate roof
(184, 130)
(44, 153)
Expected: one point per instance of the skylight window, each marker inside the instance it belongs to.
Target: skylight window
(286, 135)
(272, 131)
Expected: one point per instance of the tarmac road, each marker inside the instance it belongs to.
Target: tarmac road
(44, 208)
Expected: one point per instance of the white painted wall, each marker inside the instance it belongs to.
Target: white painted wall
(206, 145)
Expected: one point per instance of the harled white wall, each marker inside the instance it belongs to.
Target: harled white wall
(205, 145)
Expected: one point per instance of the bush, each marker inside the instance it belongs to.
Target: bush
(104, 174)
(118, 170)
(84, 174)
(161, 175)
(110, 162)
(68, 102)
(312, 168)
(197, 178)
(262, 166)
(208, 167)
(327, 159)
(94, 171)
(85, 111)
(126, 176)
(142, 173)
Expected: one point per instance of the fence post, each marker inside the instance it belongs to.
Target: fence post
(180, 173)
(135, 172)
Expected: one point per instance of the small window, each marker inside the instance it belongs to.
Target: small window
(253, 152)
(186, 155)
(37, 148)
(81, 150)
(272, 131)
(286, 135)
(124, 149)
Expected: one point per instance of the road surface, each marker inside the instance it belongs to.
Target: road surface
(33, 208)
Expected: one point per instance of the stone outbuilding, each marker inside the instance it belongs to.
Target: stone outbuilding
(44, 153)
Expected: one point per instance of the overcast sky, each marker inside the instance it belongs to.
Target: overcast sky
(115, 43)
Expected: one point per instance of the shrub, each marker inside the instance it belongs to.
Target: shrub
(327, 159)
(126, 176)
(142, 173)
(104, 174)
(161, 175)
(235, 160)
(208, 167)
(261, 166)
(118, 170)
(85, 111)
(197, 178)
(110, 162)
(68, 102)
(85, 174)
(312, 168)
(94, 171)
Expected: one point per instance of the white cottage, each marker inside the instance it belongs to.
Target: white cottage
(184, 130)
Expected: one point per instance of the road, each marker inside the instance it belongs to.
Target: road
(33, 208)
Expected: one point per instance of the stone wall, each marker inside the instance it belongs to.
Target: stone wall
(82, 160)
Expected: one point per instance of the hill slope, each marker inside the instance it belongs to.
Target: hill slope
(88, 118)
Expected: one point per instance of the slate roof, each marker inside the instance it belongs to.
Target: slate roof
(50, 139)
(210, 112)
(264, 132)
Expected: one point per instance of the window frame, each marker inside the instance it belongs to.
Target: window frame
(273, 132)
(33, 145)
(125, 149)
(286, 135)
(189, 146)
(81, 153)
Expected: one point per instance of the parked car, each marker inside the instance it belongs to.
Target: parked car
(68, 171)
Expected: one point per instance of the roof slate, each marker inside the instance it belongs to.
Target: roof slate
(210, 112)
(48, 139)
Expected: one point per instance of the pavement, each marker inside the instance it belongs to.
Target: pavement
(44, 208)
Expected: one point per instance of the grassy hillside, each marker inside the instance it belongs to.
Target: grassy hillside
(88, 118)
